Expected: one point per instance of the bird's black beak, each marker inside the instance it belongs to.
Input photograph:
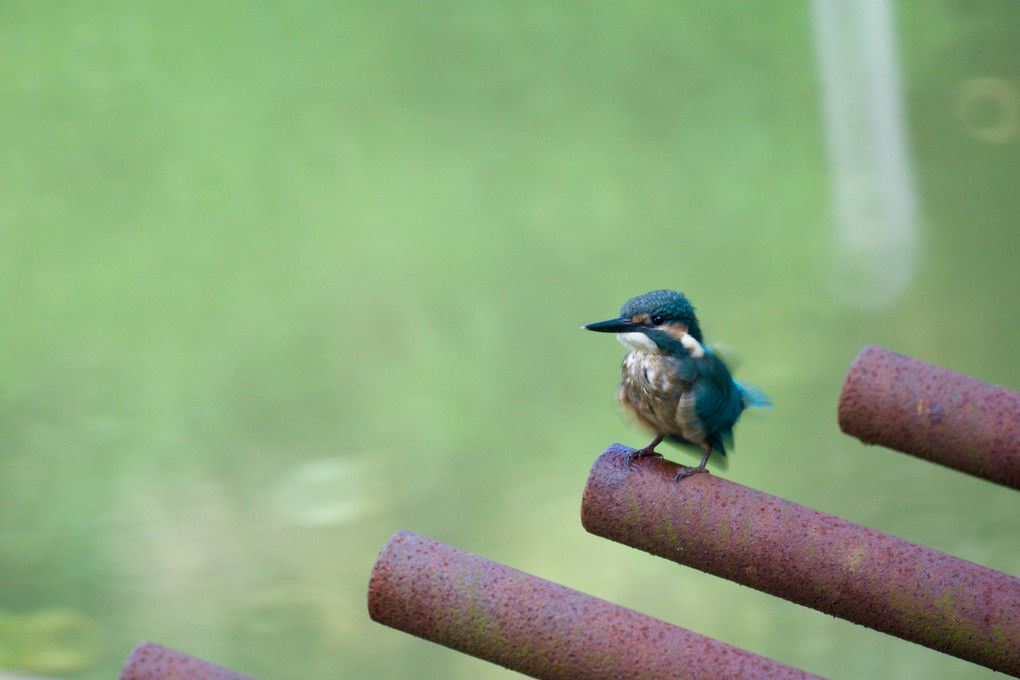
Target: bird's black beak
(617, 325)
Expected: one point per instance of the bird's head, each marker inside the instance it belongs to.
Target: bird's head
(654, 322)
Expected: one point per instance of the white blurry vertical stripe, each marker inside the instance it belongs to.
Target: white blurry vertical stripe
(869, 161)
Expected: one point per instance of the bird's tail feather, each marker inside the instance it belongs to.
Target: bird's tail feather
(752, 396)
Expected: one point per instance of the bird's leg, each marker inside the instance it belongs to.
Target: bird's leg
(647, 451)
(687, 471)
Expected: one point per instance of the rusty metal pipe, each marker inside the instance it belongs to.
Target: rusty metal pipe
(807, 557)
(933, 413)
(149, 661)
(537, 627)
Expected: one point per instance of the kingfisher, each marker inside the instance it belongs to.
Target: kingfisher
(674, 384)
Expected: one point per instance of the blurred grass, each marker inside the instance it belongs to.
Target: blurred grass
(238, 240)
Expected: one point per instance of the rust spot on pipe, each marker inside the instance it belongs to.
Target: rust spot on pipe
(150, 661)
(933, 413)
(807, 557)
(537, 627)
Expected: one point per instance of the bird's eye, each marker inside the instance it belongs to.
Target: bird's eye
(657, 320)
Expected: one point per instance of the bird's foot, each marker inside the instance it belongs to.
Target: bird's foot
(688, 471)
(647, 452)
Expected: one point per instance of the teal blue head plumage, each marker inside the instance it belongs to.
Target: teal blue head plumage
(665, 305)
(673, 383)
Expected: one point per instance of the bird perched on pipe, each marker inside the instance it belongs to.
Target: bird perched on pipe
(673, 383)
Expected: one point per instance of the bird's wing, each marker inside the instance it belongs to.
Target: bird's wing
(711, 405)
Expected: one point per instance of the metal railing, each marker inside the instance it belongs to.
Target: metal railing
(549, 631)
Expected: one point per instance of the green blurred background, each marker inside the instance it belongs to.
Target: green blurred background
(280, 279)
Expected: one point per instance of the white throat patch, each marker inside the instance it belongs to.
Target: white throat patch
(639, 342)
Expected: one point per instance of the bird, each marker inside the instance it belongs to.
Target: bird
(674, 384)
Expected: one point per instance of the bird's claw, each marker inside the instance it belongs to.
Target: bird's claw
(688, 471)
(641, 453)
